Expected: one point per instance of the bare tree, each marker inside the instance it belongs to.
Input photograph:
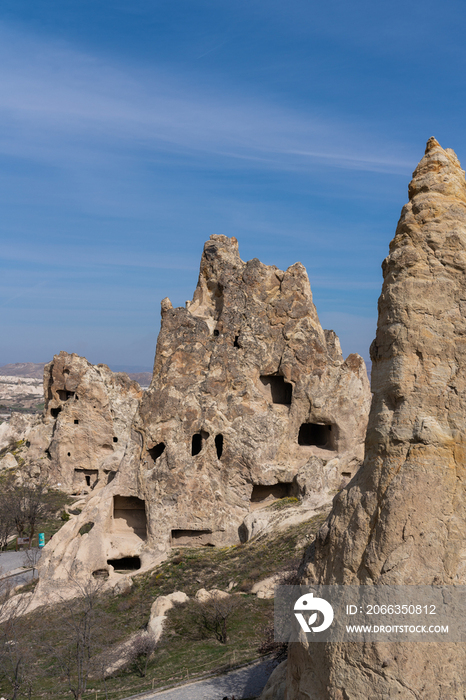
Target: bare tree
(29, 506)
(214, 614)
(7, 523)
(30, 559)
(79, 625)
(15, 661)
(142, 648)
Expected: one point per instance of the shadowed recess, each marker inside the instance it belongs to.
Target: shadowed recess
(317, 434)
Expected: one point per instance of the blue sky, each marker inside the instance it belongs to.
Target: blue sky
(132, 131)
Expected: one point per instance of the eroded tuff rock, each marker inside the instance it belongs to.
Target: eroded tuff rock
(88, 416)
(251, 401)
(91, 410)
(78, 443)
(402, 519)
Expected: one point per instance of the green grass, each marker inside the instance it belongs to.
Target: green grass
(284, 503)
(184, 652)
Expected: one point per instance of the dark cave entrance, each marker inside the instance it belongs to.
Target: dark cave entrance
(192, 538)
(272, 492)
(125, 564)
(317, 434)
(281, 392)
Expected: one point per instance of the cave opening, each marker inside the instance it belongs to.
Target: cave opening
(65, 395)
(219, 445)
(197, 442)
(271, 492)
(125, 564)
(281, 392)
(84, 478)
(129, 516)
(101, 573)
(317, 434)
(192, 538)
(55, 411)
(156, 451)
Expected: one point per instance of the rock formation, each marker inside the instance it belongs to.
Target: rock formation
(23, 443)
(79, 441)
(91, 410)
(402, 519)
(251, 401)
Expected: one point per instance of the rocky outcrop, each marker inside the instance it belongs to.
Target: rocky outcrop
(91, 410)
(402, 519)
(23, 443)
(251, 402)
(251, 399)
(79, 441)
(275, 687)
(158, 612)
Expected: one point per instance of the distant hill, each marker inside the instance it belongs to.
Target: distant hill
(33, 370)
(131, 369)
(142, 378)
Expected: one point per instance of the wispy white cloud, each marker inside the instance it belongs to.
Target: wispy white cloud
(58, 104)
(93, 256)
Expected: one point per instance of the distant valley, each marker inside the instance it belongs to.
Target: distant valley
(21, 386)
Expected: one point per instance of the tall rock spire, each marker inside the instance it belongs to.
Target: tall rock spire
(402, 519)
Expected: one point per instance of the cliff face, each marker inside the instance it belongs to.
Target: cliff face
(251, 401)
(402, 519)
(91, 410)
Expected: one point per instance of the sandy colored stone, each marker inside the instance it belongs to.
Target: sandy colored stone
(17, 429)
(8, 462)
(158, 612)
(164, 603)
(276, 685)
(402, 520)
(217, 436)
(265, 589)
(250, 330)
(203, 595)
(91, 409)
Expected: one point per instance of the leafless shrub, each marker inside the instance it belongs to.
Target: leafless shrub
(142, 648)
(270, 646)
(7, 523)
(15, 661)
(30, 559)
(80, 623)
(22, 508)
(214, 614)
